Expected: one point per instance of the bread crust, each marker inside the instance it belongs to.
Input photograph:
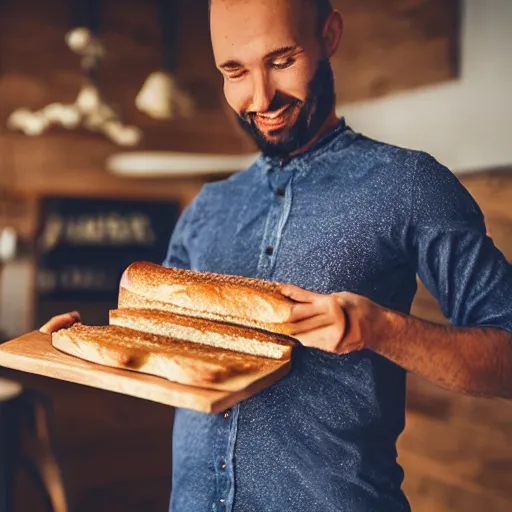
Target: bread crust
(176, 360)
(239, 300)
(208, 332)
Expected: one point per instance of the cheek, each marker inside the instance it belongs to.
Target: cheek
(294, 81)
(237, 95)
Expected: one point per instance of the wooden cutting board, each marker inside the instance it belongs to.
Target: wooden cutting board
(34, 353)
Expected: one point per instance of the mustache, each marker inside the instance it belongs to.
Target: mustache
(279, 101)
(310, 115)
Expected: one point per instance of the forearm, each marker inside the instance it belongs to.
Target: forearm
(477, 361)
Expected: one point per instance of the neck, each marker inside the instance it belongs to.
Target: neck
(329, 123)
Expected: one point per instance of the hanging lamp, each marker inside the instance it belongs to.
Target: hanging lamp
(89, 110)
(162, 96)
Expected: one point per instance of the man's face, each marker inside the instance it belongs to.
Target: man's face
(275, 76)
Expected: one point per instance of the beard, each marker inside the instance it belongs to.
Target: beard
(313, 112)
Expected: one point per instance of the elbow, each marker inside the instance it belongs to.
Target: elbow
(490, 378)
(497, 376)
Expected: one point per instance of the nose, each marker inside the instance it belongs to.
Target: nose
(263, 93)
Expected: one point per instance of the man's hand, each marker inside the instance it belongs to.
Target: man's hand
(60, 322)
(339, 322)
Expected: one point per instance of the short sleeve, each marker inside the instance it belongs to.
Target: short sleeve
(456, 260)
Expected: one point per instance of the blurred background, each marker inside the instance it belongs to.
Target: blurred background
(112, 117)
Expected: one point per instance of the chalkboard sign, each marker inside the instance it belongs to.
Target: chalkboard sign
(83, 245)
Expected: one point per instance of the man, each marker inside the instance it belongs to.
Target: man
(347, 223)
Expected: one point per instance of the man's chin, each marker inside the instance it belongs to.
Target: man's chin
(274, 139)
(271, 142)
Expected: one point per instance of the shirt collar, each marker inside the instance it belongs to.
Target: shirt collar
(323, 144)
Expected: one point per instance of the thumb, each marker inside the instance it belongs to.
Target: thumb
(60, 322)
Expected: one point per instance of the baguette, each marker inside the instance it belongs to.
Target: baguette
(206, 332)
(238, 300)
(176, 360)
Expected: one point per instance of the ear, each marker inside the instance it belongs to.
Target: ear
(332, 32)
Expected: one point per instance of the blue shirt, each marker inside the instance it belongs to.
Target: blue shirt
(351, 214)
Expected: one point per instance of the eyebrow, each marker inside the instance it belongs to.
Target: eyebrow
(279, 52)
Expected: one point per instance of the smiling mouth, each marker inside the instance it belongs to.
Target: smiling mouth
(276, 119)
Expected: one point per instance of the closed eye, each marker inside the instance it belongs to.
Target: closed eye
(283, 63)
(235, 75)
(232, 69)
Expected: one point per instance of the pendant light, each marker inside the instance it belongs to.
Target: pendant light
(161, 96)
(89, 110)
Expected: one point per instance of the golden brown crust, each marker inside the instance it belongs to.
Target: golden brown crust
(176, 360)
(240, 300)
(128, 299)
(154, 275)
(209, 332)
(204, 325)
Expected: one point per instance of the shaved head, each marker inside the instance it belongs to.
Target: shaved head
(274, 56)
(323, 9)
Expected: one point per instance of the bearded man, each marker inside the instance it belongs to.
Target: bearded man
(347, 223)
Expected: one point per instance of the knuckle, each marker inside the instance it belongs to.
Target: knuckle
(333, 305)
(341, 297)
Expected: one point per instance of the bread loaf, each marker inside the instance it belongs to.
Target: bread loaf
(238, 300)
(206, 332)
(176, 360)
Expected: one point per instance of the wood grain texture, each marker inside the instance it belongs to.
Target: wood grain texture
(456, 451)
(397, 45)
(34, 353)
(38, 67)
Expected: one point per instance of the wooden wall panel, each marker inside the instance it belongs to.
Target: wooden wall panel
(460, 461)
(38, 68)
(392, 46)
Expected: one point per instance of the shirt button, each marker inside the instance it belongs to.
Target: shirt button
(280, 192)
(222, 465)
(222, 501)
(269, 250)
(227, 414)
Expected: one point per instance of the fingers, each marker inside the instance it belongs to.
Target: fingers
(324, 338)
(60, 322)
(297, 294)
(310, 324)
(324, 330)
(322, 320)
(304, 310)
(327, 339)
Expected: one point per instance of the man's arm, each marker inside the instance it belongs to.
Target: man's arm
(444, 240)
(472, 360)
